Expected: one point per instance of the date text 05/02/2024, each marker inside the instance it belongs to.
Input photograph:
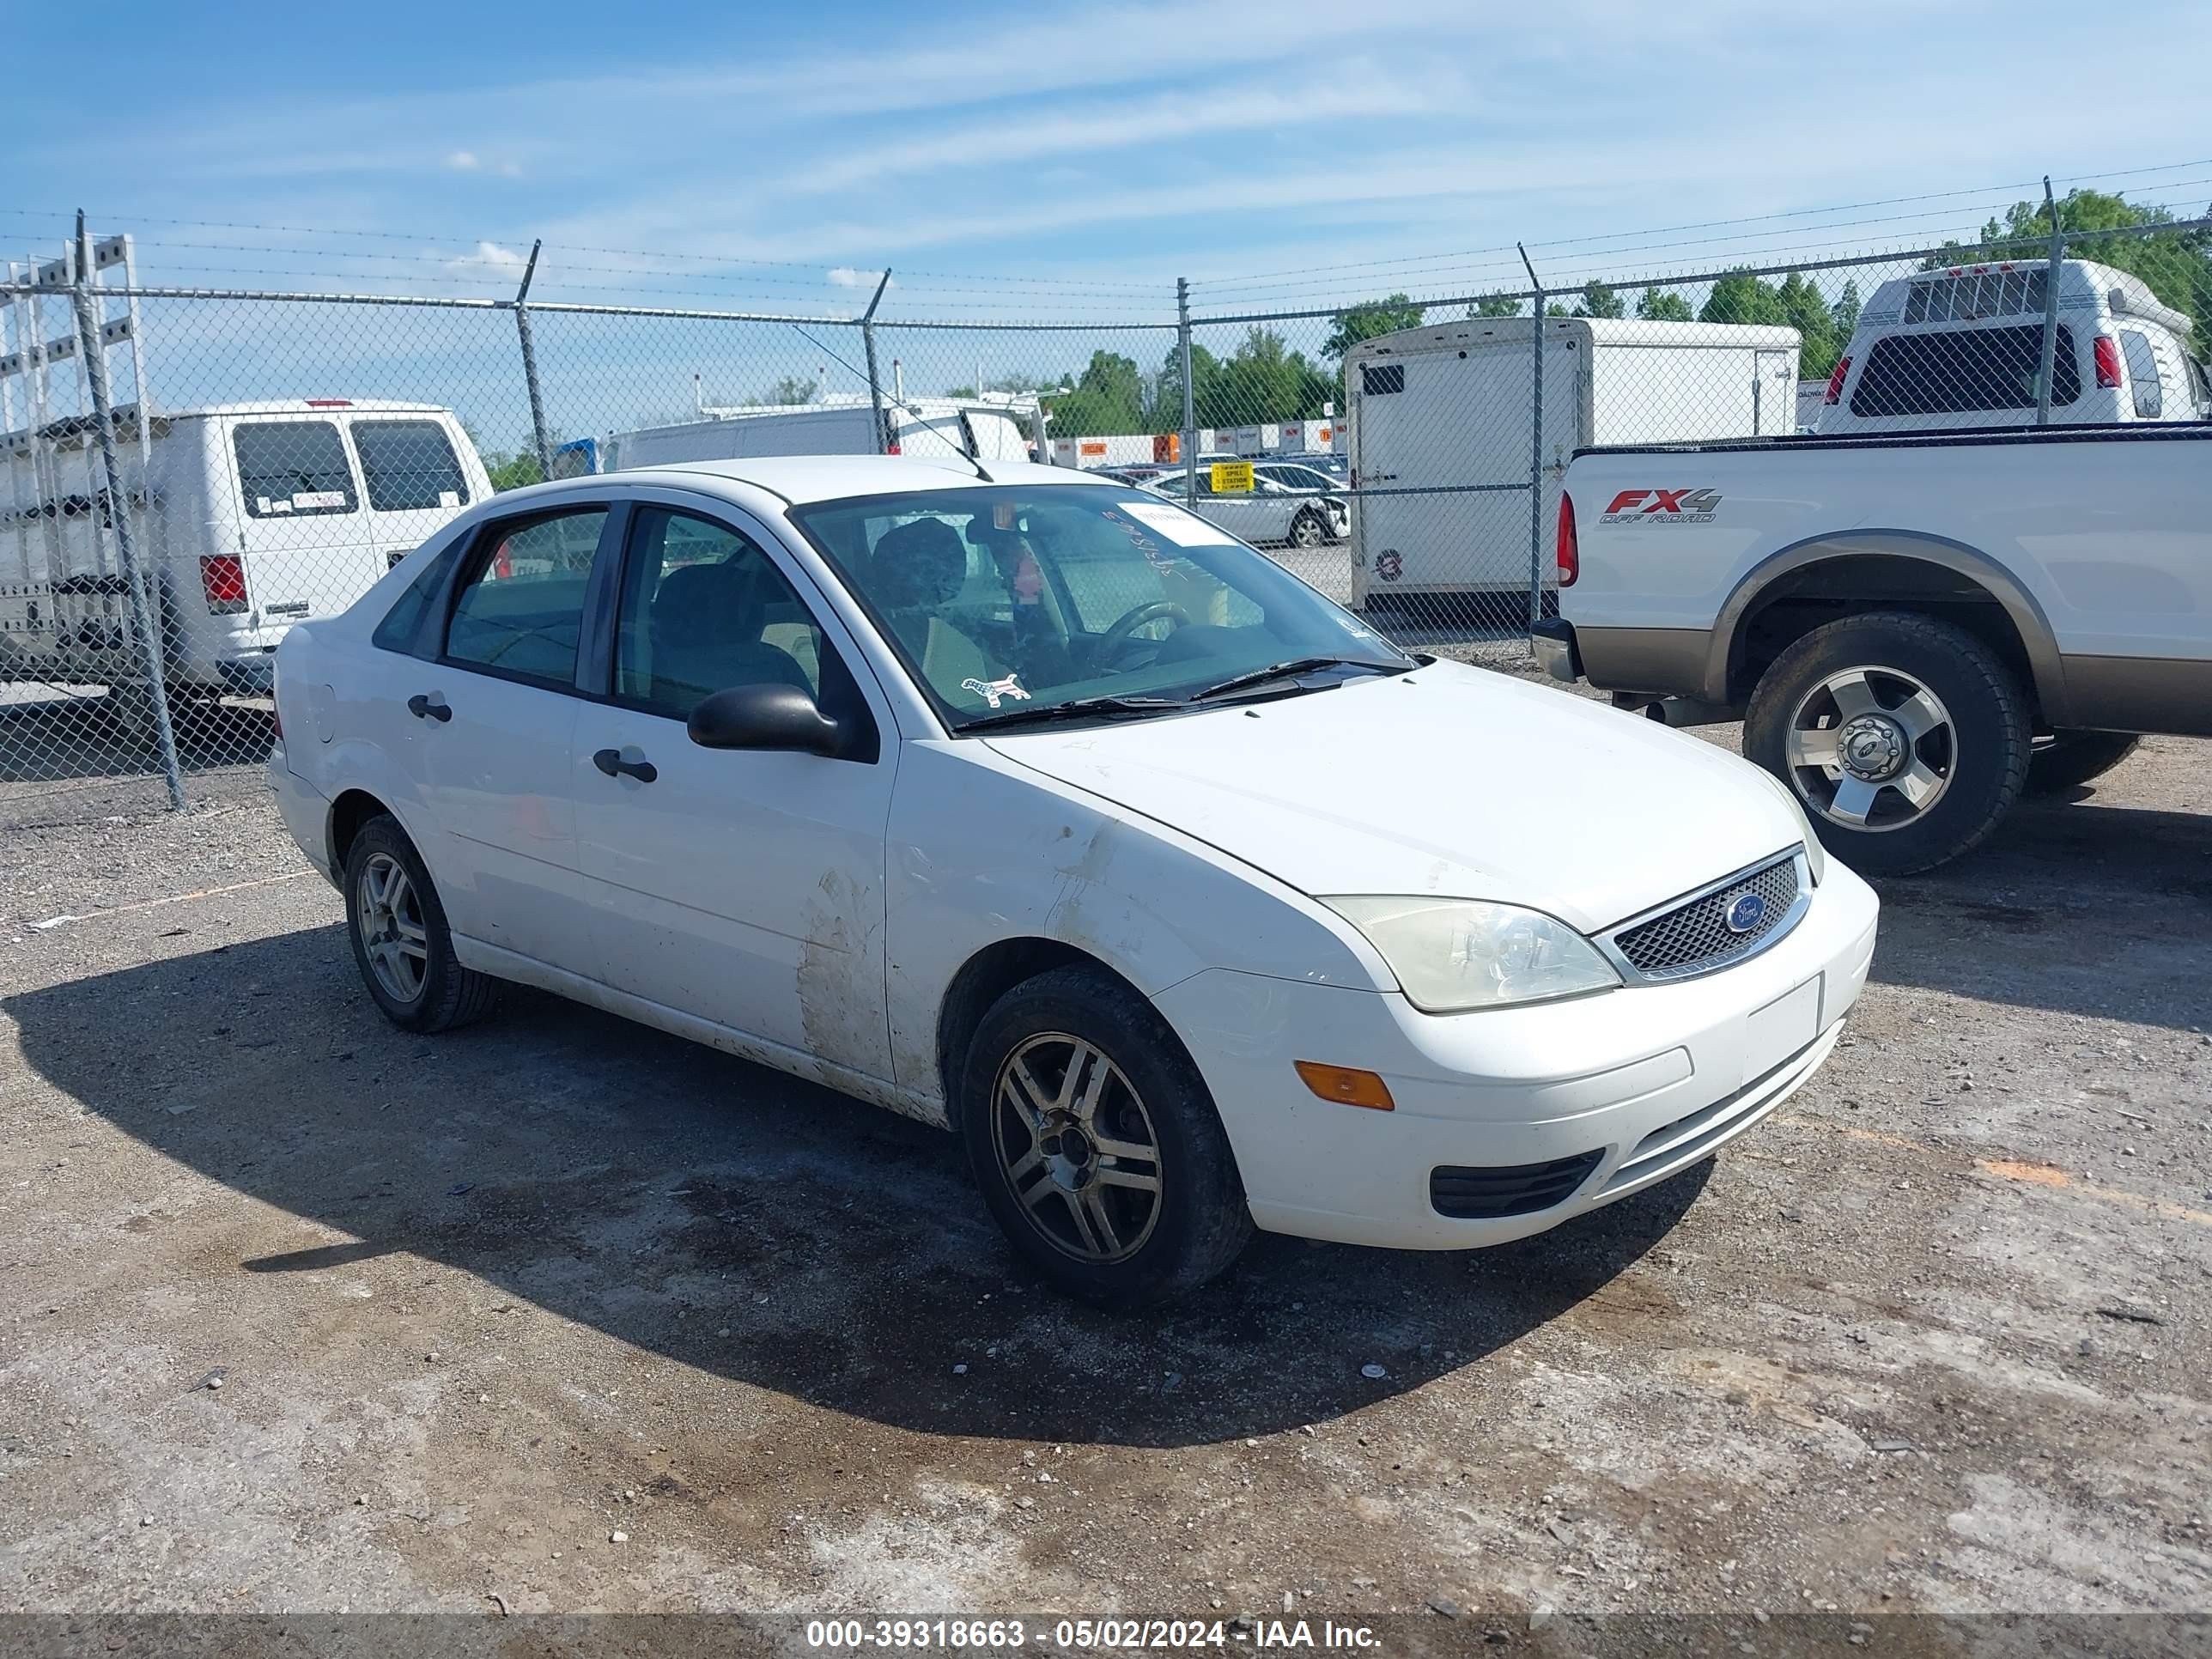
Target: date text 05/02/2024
(1082, 1635)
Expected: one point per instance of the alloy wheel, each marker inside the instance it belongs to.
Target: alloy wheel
(1077, 1148)
(393, 935)
(1871, 749)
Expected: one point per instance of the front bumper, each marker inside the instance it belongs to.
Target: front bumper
(1648, 1079)
(1553, 640)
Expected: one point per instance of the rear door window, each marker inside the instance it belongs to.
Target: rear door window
(293, 469)
(409, 465)
(519, 612)
(2143, 374)
(1963, 371)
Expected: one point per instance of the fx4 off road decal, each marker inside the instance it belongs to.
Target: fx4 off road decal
(1641, 507)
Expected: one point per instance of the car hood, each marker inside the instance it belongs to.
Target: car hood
(1450, 780)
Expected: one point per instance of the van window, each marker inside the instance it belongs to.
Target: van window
(1962, 370)
(409, 465)
(519, 612)
(1377, 379)
(2143, 374)
(293, 469)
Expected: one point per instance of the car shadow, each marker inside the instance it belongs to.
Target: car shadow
(749, 1224)
(2074, 904)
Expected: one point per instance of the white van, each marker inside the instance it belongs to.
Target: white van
(1963, 347)
(989, 431)
(1442, 430)
(247, 518)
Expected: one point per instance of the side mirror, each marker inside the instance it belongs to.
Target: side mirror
(765, 716)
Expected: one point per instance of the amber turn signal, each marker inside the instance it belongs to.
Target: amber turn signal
(1346, 1086)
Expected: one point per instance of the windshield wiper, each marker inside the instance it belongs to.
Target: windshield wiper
(1079, 709)
(1284, 670)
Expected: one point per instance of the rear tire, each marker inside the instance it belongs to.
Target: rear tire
(1097, 1144)
(2072, 758)
(1905, 739)
(401, 943)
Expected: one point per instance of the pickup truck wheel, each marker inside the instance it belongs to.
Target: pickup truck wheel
(1097, 1144)
(2076, 757)
(1905, 738)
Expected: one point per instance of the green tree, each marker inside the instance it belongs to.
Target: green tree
(1366, 321)
(791, 390)
(1805, 310)
(1108, 397)
(1740, 297)
(1558, 308)
(1599, 300)
(1262, 380)
(1667, 308)
(1844, 314)
(1495, 305)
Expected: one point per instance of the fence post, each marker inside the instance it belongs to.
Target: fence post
(2050, 310)
(868, 343)
(92, 350)
(1535, 448)
(529, 365)
(1189, 402)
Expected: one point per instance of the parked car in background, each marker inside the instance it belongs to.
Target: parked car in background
(1444, 431)
(1913, 629)
(1963, 347)
(1268, 514)
(248, 517)
(1296, 476)
(994, 800)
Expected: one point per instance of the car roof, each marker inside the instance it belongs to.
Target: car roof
(799, 479)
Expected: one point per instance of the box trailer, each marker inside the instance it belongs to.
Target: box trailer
(1442, 423)
(1004, 431)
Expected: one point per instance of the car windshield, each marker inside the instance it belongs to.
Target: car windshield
(1011, 597)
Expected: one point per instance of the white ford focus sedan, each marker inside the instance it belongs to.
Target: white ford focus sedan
(1041, 809)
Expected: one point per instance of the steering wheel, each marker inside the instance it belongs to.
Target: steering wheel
(1135, 617)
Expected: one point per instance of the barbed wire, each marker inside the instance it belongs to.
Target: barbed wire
(1630, 241)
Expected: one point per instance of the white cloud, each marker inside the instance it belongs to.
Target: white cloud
(491, 259)
(846, 277)
(463, 160)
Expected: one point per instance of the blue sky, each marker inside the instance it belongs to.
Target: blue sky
(767, 155)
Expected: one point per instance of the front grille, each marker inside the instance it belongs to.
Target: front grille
(1479, 1194)
(1694, 937)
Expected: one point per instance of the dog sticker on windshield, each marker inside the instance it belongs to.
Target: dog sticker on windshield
(1183, 529)
(995, 692)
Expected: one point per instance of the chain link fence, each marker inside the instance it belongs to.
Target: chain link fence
(185, 473)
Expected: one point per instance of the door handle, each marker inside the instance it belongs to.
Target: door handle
(610, 761)
(427, 708)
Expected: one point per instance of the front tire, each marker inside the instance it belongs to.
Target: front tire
(401, 943)
(1095, 1143)
(2072, 758)
(1308, 531)
(1905, 739)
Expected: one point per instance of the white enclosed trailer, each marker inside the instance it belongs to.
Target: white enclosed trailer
(1442, 430)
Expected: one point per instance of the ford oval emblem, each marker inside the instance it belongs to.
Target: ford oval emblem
(1745, 912)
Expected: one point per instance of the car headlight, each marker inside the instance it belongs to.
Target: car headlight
(1450, 954)
(1816, 856)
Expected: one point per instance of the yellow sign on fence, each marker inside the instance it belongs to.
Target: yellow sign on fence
(1232, 477)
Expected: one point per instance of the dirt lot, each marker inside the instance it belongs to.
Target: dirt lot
(559, 1314)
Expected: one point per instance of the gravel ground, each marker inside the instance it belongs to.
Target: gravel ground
(559, 1314)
